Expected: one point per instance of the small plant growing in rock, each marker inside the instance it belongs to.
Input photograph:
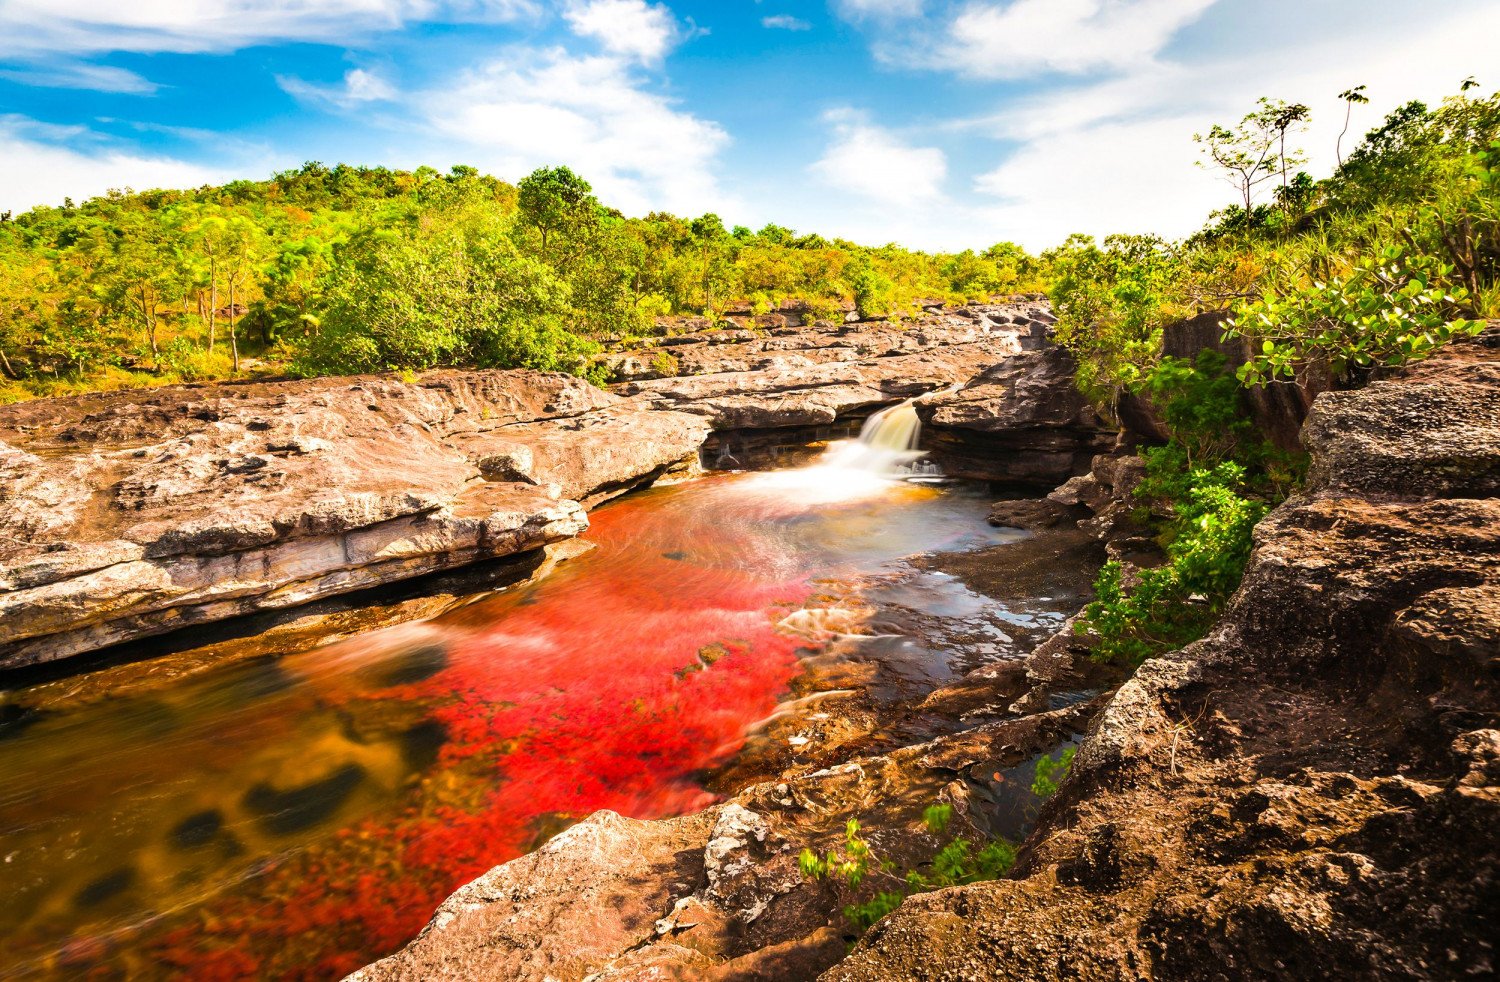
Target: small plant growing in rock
(665, 364)
(955, 863)
(1052, 772)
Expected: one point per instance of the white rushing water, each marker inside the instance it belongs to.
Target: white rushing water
(887, 451)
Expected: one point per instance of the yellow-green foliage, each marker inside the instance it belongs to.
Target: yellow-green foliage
(955, 863)
(345, 269)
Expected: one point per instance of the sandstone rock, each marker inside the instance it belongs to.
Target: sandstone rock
(588, 895)
(1032, 514)
(136, 513)
(1021, 422)
(1364, 438)
(716, 895)
(1311, 790)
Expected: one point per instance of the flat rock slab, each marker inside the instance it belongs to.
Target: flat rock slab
(135, 513)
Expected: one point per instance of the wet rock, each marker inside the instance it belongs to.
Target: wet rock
(111, 884)
(1032, 514)
(198, 829)
(1311, 789)
(421, 745)
(413, 664)
(282, 812)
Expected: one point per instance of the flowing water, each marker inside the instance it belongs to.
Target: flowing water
(298, 816)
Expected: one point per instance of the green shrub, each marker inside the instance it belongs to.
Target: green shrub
(1387, 312)
(1174, 604)
(955, 863)
(1051, 773)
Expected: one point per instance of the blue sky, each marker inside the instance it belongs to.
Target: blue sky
(936, 123)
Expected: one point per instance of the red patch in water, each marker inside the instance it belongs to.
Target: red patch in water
(615, 689)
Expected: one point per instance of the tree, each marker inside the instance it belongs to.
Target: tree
(142, 278)
(713, 245)
(1247, 153)
(1284, 117)
(457, 294)
(1351, 97)
(557, 203)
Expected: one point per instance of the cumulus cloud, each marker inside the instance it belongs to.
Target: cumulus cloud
(869, 161)
(357, 88)
(35, 169)
(529, 108)
(32, 27)
(1027, 37)
(785, 22)
(633, 29)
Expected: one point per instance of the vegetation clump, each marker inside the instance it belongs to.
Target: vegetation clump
(955, 863)
(1339, 280)
(1051, 772)
(340, 270)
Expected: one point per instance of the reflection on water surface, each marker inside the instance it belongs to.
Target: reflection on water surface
(295, 817)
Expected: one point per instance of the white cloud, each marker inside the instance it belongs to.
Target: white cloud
(1027, 37)
(80, 26)
(879, 9)
(630, 28)
(34, 170)
(531, 108)
(785, 22)
(78, 75)
(874, 163)
(1118, 155)
(358, 87)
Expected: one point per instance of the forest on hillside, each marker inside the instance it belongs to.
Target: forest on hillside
(349, 269)
(331, 270)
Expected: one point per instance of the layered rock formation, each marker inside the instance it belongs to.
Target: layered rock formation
(1312, 790)
(129, 514)
(135, 513)
(1020, 422)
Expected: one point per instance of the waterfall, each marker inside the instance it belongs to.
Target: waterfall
(896, 428)
(885, 453)
(887, 444)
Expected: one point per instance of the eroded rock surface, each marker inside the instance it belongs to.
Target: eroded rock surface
(716, 895)
(135, 513)
(1020, 422)
(128, 514)
(1311, 791)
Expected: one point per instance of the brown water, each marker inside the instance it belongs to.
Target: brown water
(296, 817)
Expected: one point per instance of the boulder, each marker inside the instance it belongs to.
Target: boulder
(1020, 422)
(1278, 409)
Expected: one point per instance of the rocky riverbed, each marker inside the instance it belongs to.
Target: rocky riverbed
(1313, 784)
(130, 514)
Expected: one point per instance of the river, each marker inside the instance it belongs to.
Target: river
(297, 816)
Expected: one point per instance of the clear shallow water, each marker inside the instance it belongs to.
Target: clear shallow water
(297, 817)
